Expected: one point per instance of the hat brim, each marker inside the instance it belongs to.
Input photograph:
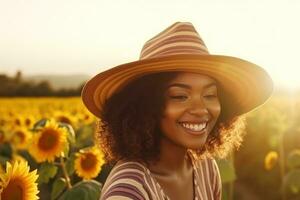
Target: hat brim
(245, 84)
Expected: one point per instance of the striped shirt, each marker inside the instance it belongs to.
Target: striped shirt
(132, 180)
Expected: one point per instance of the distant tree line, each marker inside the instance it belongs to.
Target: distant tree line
(16, 86)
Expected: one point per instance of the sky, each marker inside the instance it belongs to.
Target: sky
(87, 37)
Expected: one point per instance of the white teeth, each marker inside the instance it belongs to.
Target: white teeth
(194, 127)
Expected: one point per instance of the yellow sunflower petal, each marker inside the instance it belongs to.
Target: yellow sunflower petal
(271, 159)
(88, 163)
(18, 182)
(20, 138)
(49, 142)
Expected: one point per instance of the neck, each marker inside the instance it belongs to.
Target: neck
(173, 159)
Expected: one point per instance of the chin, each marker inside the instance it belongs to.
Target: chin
(195, 146)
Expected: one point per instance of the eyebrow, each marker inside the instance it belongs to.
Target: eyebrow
(188, 86)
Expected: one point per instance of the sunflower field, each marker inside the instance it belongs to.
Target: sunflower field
(54, 138)
(48, 151)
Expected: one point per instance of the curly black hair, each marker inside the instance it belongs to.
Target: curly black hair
(129, 126)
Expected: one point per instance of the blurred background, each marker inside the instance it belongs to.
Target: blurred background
(48, 49)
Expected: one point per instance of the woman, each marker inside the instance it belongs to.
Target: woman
(166, 116)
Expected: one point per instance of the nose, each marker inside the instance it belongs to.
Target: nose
(197, 107)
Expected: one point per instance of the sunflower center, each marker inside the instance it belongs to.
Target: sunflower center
(20, 136)
(64, 119)
(13, 191)
(89, 161)
(28, 122)
(48, 139)
(2, 122)
(1, 136)
(18, 122)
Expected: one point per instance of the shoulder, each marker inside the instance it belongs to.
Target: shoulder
(209, 173)
(125, 181)
(208, 166)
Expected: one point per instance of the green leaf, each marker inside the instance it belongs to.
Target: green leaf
(225, 194)
(84, 137)
(84, 190)
(6, 150)
(3, 160)
(227, 170)
(39, 124)
(70, 164)
(46, 171)
(293, 159)
(71, 132)
(58, 186)
(66, 150)
(291, 182)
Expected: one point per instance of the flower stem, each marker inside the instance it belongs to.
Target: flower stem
(56, 163)
(282, 162)
(62, 164)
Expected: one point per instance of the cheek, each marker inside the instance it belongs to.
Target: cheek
(169, 118)
(171, 111)
(215, 113)
(166, 126)
(215, 110)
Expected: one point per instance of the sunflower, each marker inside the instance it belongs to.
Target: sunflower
(17, 158)
(65, 117)
(29, 121)
(88, 163)
(49, 142)
(20, 138)
(86, 118)
(2, 136)
(271, 160)
(17, 121)
(4, 119)
(18, 183)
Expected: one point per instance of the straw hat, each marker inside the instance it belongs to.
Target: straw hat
(180, 48)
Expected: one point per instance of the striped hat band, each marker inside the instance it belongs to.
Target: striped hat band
(180, 38)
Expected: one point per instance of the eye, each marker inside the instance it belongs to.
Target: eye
(179, 97)
(211, 96)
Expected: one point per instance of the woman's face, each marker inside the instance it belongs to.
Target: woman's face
(191, 110)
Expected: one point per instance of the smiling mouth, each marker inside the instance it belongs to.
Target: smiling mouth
(194, 128)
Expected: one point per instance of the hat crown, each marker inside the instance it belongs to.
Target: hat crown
(179, 38)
